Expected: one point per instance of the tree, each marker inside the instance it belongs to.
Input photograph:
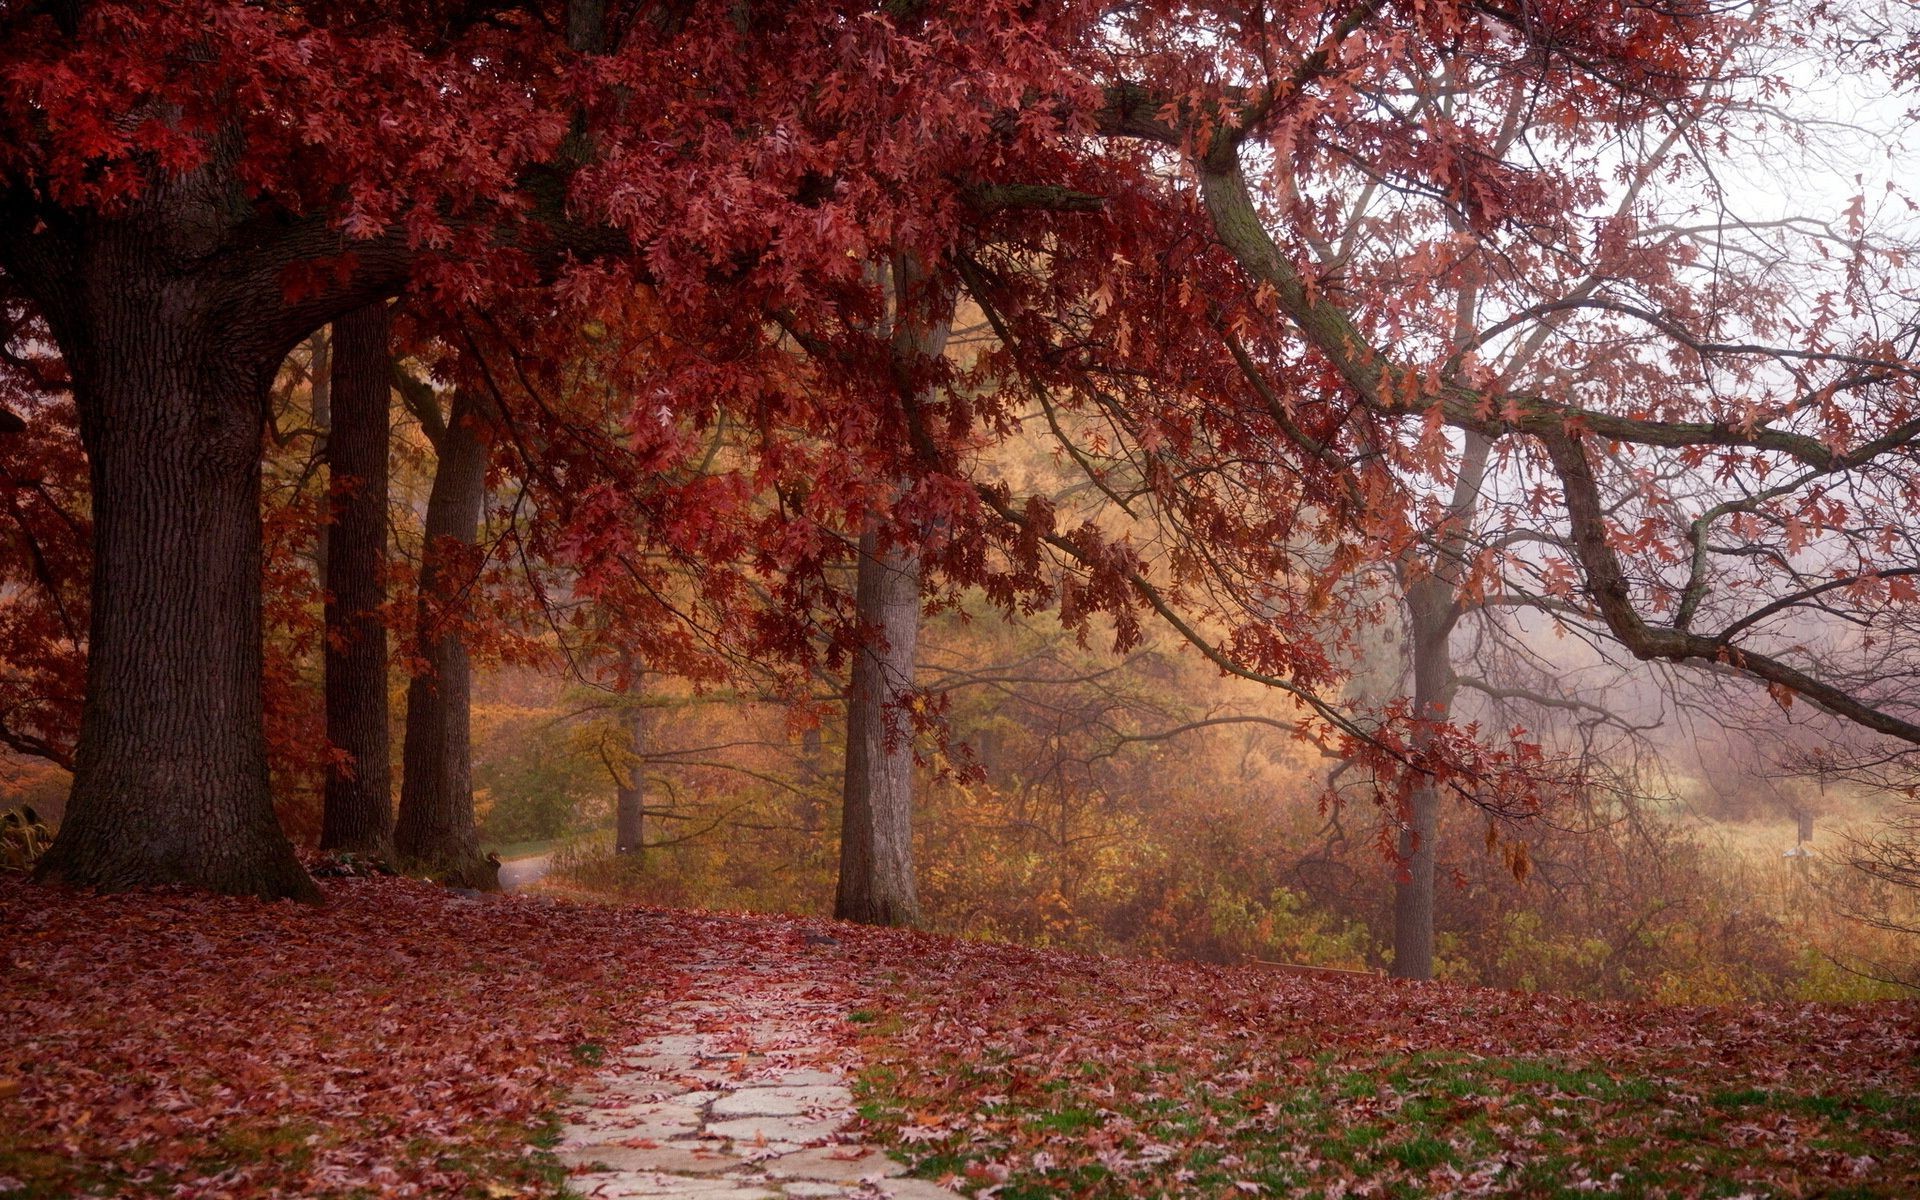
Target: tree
(876, 884)
(136, 222)
(1655, 417)
(435, 830)
(1624, 368)
(178, 237)
(630, 774)
(358, 813)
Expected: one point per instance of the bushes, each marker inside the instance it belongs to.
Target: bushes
(1084, 828)
(23, 839)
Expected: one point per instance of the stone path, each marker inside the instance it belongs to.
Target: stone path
(747, 1105)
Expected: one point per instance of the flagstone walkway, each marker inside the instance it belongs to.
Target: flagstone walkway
(748, 1104)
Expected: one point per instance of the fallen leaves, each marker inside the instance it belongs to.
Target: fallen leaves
(404, 1042)
(1062, 1075)
(398, 1040)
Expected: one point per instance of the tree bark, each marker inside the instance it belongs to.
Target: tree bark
(876, 834)
(320, 377)
(630, 790)
(170, 775)
(358, 812)
(1431, 605)
(172, 313)
(435, 832)
(877, 885)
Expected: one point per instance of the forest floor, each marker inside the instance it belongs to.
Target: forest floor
(400, 1040)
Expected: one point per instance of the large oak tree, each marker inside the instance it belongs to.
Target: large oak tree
(189, 189)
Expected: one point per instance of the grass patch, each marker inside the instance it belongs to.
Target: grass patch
(508, 851)
(590, 1054)
(1403, 1126)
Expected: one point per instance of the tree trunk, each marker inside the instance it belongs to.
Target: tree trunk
(812, 751)
(320, 379)
(1430, 603)
(876, 833)
(630, 790)
(170, 775)
(435, 832)
(877, 884)
(358, 814)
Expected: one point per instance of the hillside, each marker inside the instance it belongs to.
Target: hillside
(402, 1040)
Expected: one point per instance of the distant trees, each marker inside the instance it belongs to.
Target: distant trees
(43, 566)
(1891, 858)
(628, 767)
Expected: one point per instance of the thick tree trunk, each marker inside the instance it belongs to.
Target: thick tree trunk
(630, 790)
(170, 775)
(436, 831)
(876, 834)
(358, 814)
(1430, 602)
(173, 314)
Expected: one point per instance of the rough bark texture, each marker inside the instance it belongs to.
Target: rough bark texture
(358, 813)
(173, 314)
(170, 775)
(630, 789)
(435, 832)
(1430, 602)
(876, 834)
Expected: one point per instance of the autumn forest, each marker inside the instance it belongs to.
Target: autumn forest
(908, 600)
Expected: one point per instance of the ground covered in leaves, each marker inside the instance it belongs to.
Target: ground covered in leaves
(400, 1040)
(1050, 1075)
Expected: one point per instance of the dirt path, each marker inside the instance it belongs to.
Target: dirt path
(748, 1099)
(518, 874)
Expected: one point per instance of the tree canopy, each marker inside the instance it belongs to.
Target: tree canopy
(1310, 295)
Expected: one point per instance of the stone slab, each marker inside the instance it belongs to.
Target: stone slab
(690, 1044)
(808, 1079)
(835, 1164)
(781, 1101)
(645, 1185)
(660, 1064)
(675, 1158)
(798, 1130)
(574, 1136)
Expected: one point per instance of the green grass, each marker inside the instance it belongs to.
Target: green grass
(1405, 1125)
(508, 851)
(494, 1160)
(590, 1054)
